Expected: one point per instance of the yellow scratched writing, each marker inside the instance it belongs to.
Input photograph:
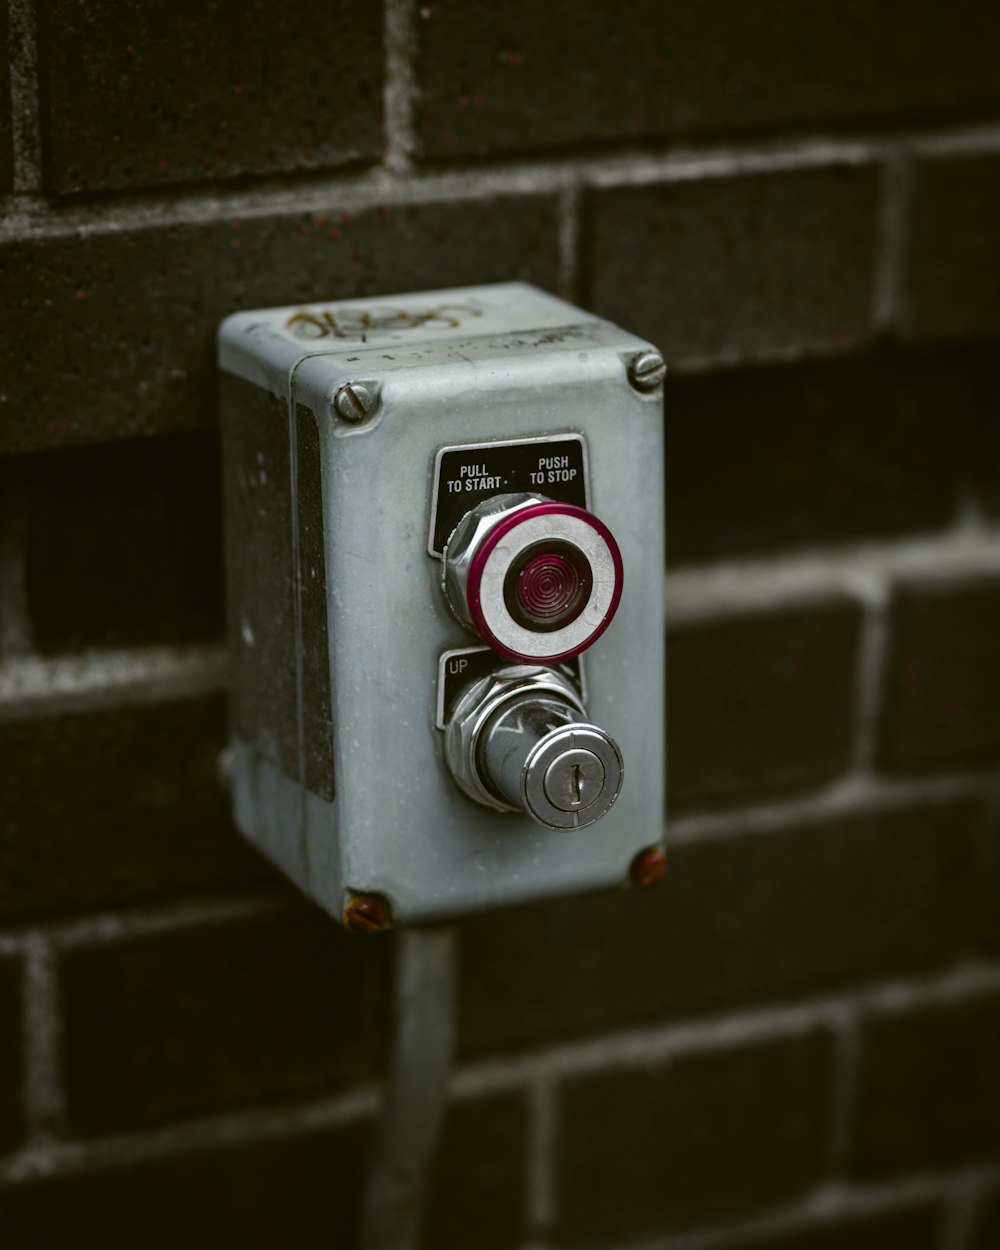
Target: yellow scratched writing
(358, 323)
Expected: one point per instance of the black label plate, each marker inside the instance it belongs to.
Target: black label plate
(464, 476)
(459, 669)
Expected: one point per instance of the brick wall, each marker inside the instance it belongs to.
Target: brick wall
(794, 1042)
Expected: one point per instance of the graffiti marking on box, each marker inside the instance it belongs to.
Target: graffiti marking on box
(358, 323)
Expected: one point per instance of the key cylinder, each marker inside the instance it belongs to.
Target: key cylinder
(519, 740)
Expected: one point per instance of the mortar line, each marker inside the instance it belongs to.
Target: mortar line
(873, 647)
(957, 140)
(854, 795)
(847, 1034)
(888, 313)
(140, 208)
(658, 1043)
(114, 926)
(541, 1186)
(44, 1157)
(827, 1201)
(15, 620)
(694, 164)
(400, 85)
(698, 592)
(960, 1215)
(25, 97)
(36, 686)
(209, 1133)
(43, 1092)
(971, 518)
(570, 208)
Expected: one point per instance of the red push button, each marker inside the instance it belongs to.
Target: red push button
(539, 581)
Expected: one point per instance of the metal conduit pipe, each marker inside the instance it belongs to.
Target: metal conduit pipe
(416, 1090)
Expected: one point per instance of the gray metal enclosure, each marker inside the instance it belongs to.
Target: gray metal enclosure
(337, 620)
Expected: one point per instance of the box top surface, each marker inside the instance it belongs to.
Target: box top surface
(283, 335)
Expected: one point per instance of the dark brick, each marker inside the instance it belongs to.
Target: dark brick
(928, 1088)
(207, 1016)
(942, 684)
(11, 1050)
(529, 76)
(739, 920)
(988, 449)
(279, 1193)
(991, 910)
(735, 267)
(478, 1185)
(986, 1230)
(986, 432)
(301, 1191)
(953, 251)
(708, 1136)
(292, 1192)
(122, 543)
(177, 91)
(6, 148)
(911, 1228)
(117, 805)
(116, 330)
(760, 702)
(771, 458)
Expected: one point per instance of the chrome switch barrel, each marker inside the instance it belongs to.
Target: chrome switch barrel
(519, 741)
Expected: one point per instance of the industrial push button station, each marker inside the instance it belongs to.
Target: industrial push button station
(444, 550)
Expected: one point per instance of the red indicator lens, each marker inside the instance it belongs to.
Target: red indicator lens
(548, 586)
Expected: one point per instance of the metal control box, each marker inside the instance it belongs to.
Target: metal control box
(360, 439)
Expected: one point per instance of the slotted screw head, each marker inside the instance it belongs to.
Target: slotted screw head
(647, 370)
(648, 868)
(353, 402)
(366, 913)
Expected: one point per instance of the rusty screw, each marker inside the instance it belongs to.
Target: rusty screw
(646, 371)
(649, 867)
(353, 402)
(365, 913)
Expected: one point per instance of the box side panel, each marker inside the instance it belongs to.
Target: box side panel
(317, 712)
(259, 571)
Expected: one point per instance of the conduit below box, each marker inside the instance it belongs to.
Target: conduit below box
(416, 1090)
